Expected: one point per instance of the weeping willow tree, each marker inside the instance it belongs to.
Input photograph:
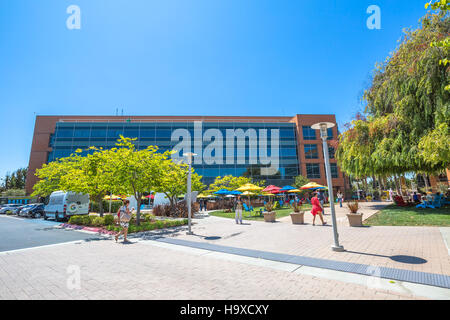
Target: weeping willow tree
(407, 108)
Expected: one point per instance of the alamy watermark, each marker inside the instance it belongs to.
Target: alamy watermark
(74, 20)
(74, 277)
(374, 20)
(235, 147)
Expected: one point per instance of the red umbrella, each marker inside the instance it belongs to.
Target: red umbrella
(272, 189)
(151, 196)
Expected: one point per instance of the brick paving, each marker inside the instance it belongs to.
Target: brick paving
(385, 246)
(110, 270)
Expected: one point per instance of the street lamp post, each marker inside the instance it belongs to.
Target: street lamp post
(323, 127)
(189, 156)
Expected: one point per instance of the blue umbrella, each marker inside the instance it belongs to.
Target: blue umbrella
(235, 193)
(286, 188)
(223, 192)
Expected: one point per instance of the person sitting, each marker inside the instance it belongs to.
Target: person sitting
(415, 198)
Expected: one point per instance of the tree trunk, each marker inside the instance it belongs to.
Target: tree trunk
(100, 204)
(396, 184)
(138, 209)
(425, 179)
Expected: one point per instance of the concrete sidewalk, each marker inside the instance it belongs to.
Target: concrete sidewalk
(412, 248)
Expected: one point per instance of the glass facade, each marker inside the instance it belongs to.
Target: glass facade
(312, 171)
(263, 151)
(311, 151)
(308, 133)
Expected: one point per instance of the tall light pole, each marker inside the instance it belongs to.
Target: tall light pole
(189, 156)
(323, 127)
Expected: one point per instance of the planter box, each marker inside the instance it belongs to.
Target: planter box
(269, 216)
(297, 217)
(355, 219)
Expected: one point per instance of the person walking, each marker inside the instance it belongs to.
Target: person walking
(124, 215)
(321, 196)
(340, 197)
(238, 212)
(317, 209)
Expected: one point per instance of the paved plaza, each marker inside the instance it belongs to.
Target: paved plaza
(146, 268)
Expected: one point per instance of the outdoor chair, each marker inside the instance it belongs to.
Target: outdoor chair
(400, 202)
(246, 208)
(281, 203)
(436, 203)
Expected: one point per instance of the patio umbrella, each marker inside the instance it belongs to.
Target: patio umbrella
(249, 187)
(286, 189)
(271, 188)
(112, 197)
(222, 192)
(235, 193)
(201, 196)
(313, 185)
(294, 191)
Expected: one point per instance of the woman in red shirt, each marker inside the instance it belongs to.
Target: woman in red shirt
(316, 209)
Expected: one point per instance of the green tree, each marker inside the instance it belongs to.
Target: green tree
(300, 181)
(228, 182)
(172, 180)
(137, 171)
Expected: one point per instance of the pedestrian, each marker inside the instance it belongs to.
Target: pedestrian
(321, 196)
(391, 194)
(317, 208)
(124, 215)
(200, 202)
(340, 198)
(238, 213)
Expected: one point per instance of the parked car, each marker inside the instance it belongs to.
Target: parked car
(35, 210)
(16, 210)
(9, 208)
(63, 205)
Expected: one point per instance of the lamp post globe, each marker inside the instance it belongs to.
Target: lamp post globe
(189, 156)
(323, 128)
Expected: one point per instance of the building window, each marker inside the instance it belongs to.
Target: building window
(311, 151)
(309, 133)
(330, 134)
(331, 152)
(312, 171)
(334, 170)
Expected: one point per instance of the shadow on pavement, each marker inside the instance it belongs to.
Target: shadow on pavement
(397, 258)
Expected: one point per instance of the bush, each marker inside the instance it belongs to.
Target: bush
(98, 221)
(76, 220)
(353, 206)
(109, 219)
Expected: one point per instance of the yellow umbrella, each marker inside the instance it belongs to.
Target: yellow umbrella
(112, 197)
(294, 191)
(201, 196)
(249, 187)
(312, 185)
(247, 193)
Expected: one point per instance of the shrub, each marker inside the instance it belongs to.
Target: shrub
(76, 220)
(109, 219)
(85, 220)
(269, 206)
(98, 221)
(296, 207)
(353, 206)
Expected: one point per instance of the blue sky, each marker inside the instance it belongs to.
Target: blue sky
(187, 57)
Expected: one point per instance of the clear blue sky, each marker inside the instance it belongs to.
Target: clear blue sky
(187, 57)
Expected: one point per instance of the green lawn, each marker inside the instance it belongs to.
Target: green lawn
(397, 216)
(255, 214)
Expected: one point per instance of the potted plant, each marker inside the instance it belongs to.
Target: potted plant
(298, 215)
(369, 198)
(269, 214)
(354, 218)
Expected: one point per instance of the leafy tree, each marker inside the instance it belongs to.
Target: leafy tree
(137, 171)
(300, 181)
(407, 107)
(172, 180)
(50, 177)
(15, 180)
(230, 182)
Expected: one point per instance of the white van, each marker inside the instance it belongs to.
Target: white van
(63, 205)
